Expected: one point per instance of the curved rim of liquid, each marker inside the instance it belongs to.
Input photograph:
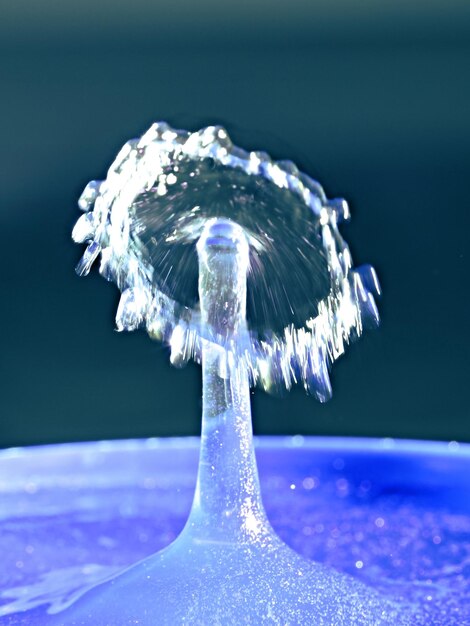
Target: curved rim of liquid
(274, 361)
(335, 444)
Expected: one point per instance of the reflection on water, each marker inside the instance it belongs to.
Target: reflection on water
(335, 508)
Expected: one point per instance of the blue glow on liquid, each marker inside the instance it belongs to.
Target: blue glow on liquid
(398, 513)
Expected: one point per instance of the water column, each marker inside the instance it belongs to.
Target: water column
(165, 192)
(227, 505)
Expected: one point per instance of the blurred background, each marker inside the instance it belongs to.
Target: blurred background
(370, 98)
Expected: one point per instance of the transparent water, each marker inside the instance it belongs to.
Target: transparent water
(394, 515)
(236, 261)
(305, 301)
(168, 222)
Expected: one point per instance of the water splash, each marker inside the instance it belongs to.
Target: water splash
(57, 589)
(305, 301)
(192, 229)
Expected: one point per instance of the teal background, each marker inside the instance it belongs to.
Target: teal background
(371, 99)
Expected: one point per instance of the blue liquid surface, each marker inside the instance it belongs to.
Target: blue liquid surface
(394, 515)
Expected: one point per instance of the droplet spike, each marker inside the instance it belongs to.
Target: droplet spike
(265, 293)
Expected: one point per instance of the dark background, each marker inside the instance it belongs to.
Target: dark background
(370, 98)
